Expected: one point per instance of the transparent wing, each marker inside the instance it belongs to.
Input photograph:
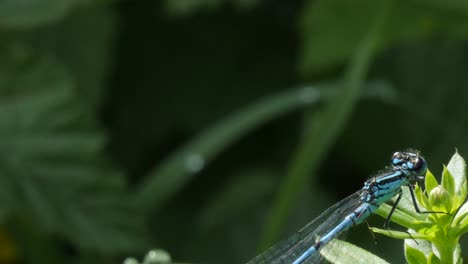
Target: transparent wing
(287, 251)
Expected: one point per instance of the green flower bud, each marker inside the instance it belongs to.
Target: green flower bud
(440, 200)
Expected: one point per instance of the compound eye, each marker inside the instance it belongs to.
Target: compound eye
(419, 165)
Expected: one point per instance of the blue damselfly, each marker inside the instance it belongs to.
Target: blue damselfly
(304, 246)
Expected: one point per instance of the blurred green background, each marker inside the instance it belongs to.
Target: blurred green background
(213, 128)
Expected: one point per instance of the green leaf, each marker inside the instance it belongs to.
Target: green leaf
(400, 217)
(414, 256)
(29, 13)
(406, 204)
(430, 181)
(421, 196)
(460, 221)
(52, 170)
(457, 168)
(90, 62)
(325, 23)
(421, 245)
(349, 254)
(433, 259)
(448, 182)
(397, 234)
(457, 254)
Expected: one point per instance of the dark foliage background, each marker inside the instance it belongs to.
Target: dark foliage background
(213, 128)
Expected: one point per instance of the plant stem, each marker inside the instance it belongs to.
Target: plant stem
(446, 250)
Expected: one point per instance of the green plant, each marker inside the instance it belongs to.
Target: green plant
(434, 237)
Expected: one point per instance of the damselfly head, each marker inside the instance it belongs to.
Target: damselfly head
(411, 162)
